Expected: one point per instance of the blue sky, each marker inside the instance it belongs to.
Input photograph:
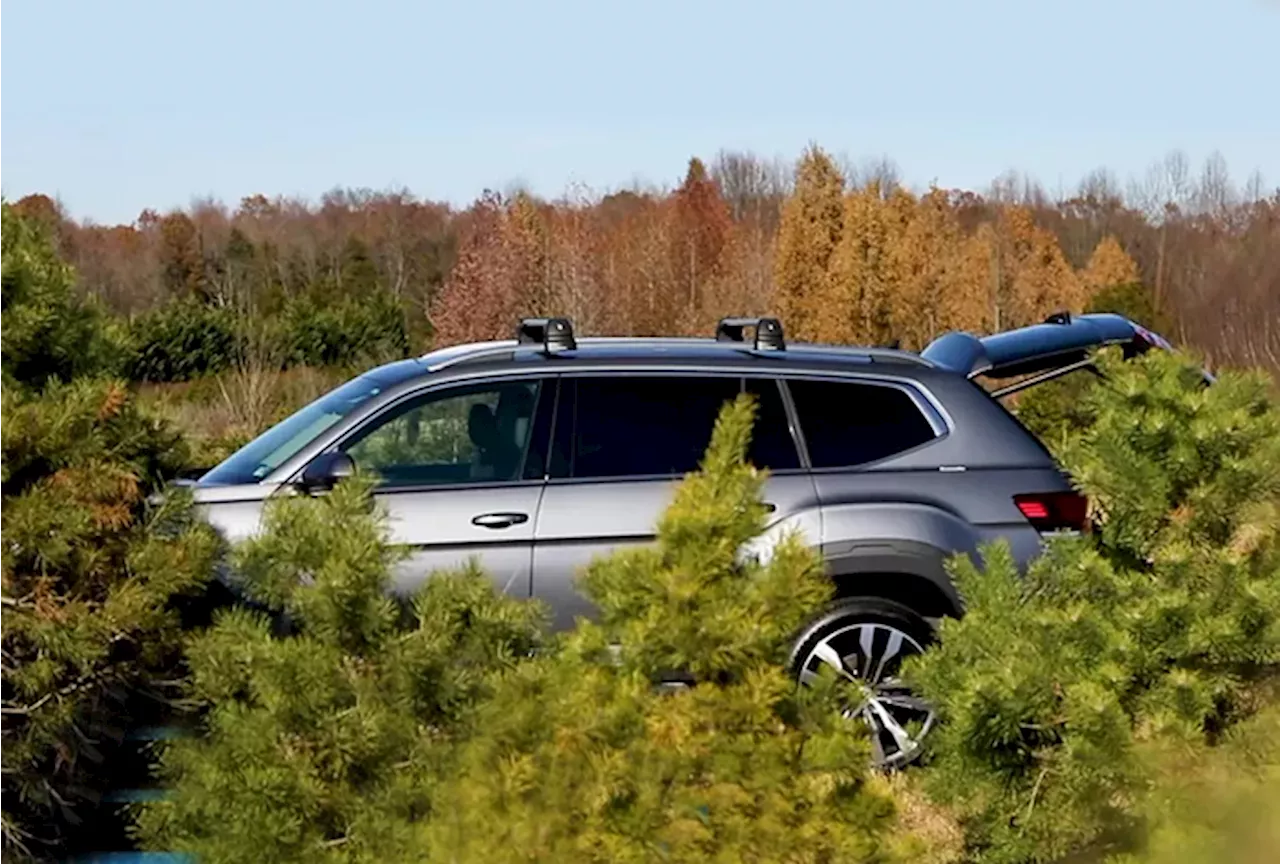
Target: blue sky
(116, 106)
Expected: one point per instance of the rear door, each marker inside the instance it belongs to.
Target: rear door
(462, 471)
(622, 443)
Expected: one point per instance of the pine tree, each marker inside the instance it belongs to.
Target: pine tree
(328, 710)
(94, 578)
(807, 238)
(48, 333)
(1157, 628)
(578, 757)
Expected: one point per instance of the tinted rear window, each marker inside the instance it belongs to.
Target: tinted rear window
(846, 423)
(634, 426)
(639, 426)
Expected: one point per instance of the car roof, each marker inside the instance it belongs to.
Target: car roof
(1060, 340)
(676, 351)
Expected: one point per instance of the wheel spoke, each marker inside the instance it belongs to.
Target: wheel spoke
(873, 727)
(832, 658)
(904, 700)
(900, 736)
(891, 651)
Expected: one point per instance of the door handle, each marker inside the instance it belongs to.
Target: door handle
(499, 520)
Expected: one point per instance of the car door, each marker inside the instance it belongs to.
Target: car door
(461, 475)
(622, 443)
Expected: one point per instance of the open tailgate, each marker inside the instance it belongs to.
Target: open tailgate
(1061, 343)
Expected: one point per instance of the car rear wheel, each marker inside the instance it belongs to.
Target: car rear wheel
(864, 641)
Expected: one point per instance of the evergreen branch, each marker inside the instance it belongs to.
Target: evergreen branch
(74, 687)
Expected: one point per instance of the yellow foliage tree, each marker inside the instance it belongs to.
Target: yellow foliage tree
(1109, 265)
(863, 277)
(807, 238)
(1033, 278)
(938, 283)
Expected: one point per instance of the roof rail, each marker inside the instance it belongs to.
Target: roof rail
(553, 334)
(768, 332)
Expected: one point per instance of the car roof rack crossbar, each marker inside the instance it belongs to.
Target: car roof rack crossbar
(768, 332)
(553, 334)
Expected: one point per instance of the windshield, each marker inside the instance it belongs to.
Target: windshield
(272, 448)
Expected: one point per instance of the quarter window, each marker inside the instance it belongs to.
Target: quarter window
(847, 423)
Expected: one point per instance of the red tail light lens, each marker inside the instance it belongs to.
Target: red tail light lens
(1054, 511)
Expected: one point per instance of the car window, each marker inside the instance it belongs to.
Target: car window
(466, 435)
(631, 426)
(772, 446)
(272, 448)
(847, 423)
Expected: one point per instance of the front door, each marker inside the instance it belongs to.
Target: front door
(453, 464)
(623, 442)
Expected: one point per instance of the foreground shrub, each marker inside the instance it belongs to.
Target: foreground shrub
(325, 740)
(578, 757)
(1157, 629)
(92, 576)
(451, 731)
(1213, 805)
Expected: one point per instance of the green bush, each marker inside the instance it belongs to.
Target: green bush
(453, 730)
(1159, 628)
(48, 333)
(325, 741)
(353, 330)
(578, 757)
(92, 580)
(183, 340)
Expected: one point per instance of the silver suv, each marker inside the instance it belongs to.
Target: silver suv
(536, 454)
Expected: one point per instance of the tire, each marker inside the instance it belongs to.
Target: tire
(867, 636)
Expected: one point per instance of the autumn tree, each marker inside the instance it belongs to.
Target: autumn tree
(1109, 265)
(493, 283)
(700, 236)
(857, 304)
(181, 259)
(809, 233)
(934, 288)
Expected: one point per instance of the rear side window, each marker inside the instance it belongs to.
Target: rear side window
(641, 426)
(636, 426)
(846, 423)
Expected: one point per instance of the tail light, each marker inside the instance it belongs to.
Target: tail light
(1054, 511)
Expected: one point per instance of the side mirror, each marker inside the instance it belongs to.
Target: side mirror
(324, 471)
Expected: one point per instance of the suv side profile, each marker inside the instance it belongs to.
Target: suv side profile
(536, 454)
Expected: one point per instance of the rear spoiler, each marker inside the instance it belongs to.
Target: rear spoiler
(1062, 344)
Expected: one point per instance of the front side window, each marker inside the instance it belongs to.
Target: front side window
(847, 423)
(474, 434)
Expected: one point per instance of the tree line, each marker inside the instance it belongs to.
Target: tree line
(844, 253)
